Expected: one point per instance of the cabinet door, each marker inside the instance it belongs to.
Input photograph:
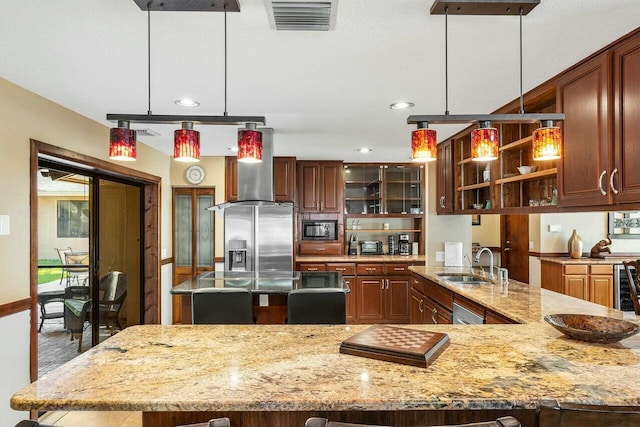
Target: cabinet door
(230, 178)
(601, 290)
(351, 299)
(397, 299)
(582, 95)
(444, 177)
(331, 187)
(308, 184)
(416, 307)
(576, 286)
(626, 128)
(370, 301)
(284, 181)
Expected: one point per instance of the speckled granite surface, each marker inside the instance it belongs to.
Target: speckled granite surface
(280, 368)
(586, 260)
(361, 258)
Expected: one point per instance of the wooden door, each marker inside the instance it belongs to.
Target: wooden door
(514, 237)
(397, 296)
(331, 187)
(308, 177)
(284, 179)
(583, 171)
(351, 298)
(370, 301)
(626, 128)
(416, 307)
(576, 286)
(444, 177)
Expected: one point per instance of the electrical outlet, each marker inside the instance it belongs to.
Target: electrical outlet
(440, 256)
(4, 225)
(530, 245)
(556, 228)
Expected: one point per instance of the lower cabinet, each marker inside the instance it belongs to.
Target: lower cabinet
(590, 282)
(429, 304)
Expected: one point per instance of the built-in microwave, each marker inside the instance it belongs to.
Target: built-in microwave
(319, 230)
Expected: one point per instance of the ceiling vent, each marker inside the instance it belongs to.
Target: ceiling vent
(146, 132)
(302, 15)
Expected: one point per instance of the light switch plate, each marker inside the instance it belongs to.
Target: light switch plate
(556, 228)
(4, 225)
(439, 255)
(530, 245)
(263, 300)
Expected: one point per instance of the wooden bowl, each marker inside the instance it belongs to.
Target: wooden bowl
(588, 328)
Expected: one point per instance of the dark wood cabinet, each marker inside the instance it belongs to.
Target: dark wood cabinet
(351, 298)
(583, 96)
(625, 176)
(284, 178)
(445, 178)
(370, 304)
(430, 302)
(383, 293)
(320, 186)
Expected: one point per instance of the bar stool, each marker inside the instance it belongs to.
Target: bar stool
(231, 306)
(316, 306)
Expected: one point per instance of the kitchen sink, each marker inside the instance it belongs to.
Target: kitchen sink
(467, 279)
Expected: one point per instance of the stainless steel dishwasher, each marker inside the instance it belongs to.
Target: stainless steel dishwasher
(464, 316)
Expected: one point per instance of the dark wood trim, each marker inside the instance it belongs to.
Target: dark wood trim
(166, 261)
(14, 307)
(586, 254)
(151, 229)
(218, 259)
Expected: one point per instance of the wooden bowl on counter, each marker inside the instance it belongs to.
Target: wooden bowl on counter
(589, 328)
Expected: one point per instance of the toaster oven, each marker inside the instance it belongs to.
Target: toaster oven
(371, 247)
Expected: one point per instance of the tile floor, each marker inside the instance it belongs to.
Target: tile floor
(92, 419)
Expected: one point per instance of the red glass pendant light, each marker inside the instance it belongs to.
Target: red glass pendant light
(250, 144)
(122, 142)
(484, 143)
(547, 142)
(186, 144)
(423, 144)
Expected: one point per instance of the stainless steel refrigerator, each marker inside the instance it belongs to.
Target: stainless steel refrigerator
(258, 238)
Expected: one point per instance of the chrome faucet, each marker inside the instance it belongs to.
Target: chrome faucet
(490, 260)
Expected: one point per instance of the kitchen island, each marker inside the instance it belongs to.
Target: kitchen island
(280, 374)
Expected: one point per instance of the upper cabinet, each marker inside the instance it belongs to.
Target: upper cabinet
(383, 189)
(284, 179)
(320, 186)
(601, 101)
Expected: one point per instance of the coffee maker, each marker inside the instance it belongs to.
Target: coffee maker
(404, 245)
(353, 245)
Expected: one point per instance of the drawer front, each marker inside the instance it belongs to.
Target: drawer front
(312, 267)
(575, 269)
(604, 269)
(439, 294)
(417, 284)
(370, 269)
(307, 248)
(345, 269)
(401, 269)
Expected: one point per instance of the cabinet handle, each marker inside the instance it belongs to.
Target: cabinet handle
(340, 269)
(398, 268)
(320, 249)
(611, 184)
(312, 269)
(442, 201)
(434, 316)
(370, 268)
(382, 283)
(321, 205)
(387, 284)
(420, 305)
(604, 193)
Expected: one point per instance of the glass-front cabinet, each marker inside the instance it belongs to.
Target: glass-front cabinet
(362, 189)
(403, 189)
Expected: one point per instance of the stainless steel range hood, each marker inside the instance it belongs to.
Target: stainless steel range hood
(255, 180)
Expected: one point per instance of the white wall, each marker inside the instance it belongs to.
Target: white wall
(14, 354)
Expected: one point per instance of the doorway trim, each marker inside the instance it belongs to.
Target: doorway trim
(151, 231)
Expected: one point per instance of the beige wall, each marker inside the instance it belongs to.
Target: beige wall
(214, 177)
(48, 239)
(28, 116)
(488, 232)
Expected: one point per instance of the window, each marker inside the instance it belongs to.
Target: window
(73, 218)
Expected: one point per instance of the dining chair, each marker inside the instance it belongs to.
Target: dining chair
(81, 272)
(316, 306)
(222, 306)
(216, 422)
(551, 413)
(634, 282)
(507, 421)
(113, 291)
(62, 254)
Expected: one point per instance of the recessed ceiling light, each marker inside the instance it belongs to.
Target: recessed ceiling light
(233, 148)
(187, 102)
(401, 105)
(364, 150)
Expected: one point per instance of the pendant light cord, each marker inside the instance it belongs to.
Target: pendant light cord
(149, 57)
(446, 60)
(225, 59)
(521, 99)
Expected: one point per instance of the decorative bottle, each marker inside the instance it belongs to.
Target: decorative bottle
(574, 245)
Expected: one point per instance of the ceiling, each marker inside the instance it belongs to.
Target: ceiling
(325, 94)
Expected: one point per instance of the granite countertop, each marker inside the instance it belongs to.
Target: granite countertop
(361, 258)
(299, 367)
(613, 259)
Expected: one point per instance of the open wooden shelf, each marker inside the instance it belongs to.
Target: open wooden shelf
(380, 230)
(516, 144)
(475, 186)
(528, 176)
(465, 161)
